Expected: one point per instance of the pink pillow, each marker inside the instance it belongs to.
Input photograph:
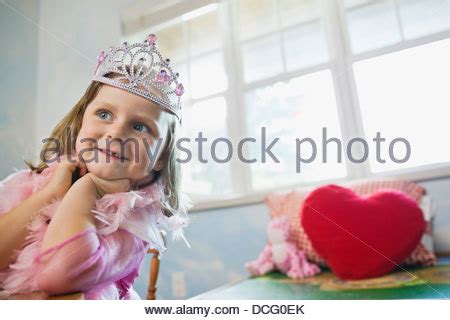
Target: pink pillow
(289, 202)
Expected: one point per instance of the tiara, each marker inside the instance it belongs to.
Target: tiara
(148, 74)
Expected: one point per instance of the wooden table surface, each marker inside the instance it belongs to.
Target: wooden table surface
(414, 283)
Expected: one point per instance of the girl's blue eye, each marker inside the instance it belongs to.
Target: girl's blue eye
(141, 127)
(103, 114)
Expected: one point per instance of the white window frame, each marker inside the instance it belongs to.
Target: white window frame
(350, 120)
(337, 11)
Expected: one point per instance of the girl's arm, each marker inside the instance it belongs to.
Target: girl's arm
(17, 212)
(73, 256)
(73, 214)
(13, 224)
(89, 261)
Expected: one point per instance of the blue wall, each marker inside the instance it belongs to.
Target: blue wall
(18, 73)
(222, 241)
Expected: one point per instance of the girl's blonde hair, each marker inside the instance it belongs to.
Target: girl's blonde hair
(64, 135)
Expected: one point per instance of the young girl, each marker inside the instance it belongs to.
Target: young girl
(106, 190)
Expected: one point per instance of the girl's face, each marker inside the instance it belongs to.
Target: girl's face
(128, 125)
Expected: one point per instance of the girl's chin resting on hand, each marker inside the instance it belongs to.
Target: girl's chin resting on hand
(103, 186)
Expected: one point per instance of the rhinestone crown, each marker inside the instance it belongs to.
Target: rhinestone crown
(146, 72)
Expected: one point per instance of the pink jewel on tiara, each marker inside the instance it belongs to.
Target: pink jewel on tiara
(179, 89)
(101, 57)
(152, 38)
(162, 77)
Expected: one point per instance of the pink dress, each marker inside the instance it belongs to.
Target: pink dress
(102, 262)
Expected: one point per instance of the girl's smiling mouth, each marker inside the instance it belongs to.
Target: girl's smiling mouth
(113, 155)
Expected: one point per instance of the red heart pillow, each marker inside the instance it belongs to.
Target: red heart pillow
(362, 237)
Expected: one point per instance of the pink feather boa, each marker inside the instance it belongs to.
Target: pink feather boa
(138, 212)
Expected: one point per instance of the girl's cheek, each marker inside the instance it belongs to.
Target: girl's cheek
(146, 153)
(90, 127)
(86, 137)
(146, 147)
(90, 131)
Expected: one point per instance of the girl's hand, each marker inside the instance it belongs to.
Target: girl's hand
(61, 179)
(105, 186)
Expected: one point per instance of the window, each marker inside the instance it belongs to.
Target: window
(303, 106)
(375, 24)
(279, 36)
(404, 104)
(401, 67)
(293, 67)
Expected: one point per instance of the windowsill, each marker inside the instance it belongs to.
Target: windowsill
(417, 174)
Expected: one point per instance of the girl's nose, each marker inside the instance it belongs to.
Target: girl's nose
(117, 132)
